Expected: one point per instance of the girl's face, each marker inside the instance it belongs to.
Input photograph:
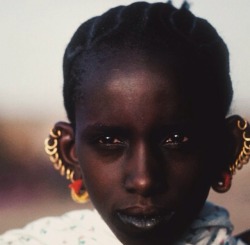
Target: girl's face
(143, 158)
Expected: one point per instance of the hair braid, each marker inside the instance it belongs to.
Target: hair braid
(142, 25)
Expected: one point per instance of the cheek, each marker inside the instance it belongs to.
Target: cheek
(189, 177)
(102, 179)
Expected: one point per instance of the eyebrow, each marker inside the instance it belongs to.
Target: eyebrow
(113, 128)
(99, 127)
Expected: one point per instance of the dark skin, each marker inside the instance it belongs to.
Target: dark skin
(138, 147)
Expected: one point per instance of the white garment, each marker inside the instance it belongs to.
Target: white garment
(86, 227)
(75, 227)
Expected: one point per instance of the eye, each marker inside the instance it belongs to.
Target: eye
(109, 140)
(175, 141)
(110, 143)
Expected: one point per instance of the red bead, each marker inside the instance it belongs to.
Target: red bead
(76, 186)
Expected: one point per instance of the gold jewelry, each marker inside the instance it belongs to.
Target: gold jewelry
(244, 155)
(77, 194)
(51, 148)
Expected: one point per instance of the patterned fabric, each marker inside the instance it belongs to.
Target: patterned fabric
(212, 227)
(75, 228)
(86, 227)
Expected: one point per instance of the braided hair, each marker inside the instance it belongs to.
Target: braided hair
(154, 28)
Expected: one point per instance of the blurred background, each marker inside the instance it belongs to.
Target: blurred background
(33, 37)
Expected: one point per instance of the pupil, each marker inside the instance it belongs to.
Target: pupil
(107, 139)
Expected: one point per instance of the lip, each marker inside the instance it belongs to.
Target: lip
(144, 217)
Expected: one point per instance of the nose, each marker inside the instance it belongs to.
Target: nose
(143, 171)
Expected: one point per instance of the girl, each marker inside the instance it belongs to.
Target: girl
(147, 91)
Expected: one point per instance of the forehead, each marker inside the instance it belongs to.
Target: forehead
(125, 68)
(133, 72)
(132, 84)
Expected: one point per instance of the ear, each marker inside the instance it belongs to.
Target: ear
(235, 134)
(239, 129)
(66, 148)
(238, 151)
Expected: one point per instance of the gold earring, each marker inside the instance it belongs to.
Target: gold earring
(78, 193)
(50, 146)
(244, 155)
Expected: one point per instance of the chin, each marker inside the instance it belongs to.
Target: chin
(153, 228)
(138, 230)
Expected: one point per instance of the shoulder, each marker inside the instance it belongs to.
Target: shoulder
(213, 226)
(72, 226)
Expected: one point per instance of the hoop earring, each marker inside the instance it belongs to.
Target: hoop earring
(244, 155)
(78, 193)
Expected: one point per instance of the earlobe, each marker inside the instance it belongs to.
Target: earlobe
(223, 183)
(60, 146)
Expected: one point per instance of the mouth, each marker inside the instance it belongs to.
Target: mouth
(144, 218)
